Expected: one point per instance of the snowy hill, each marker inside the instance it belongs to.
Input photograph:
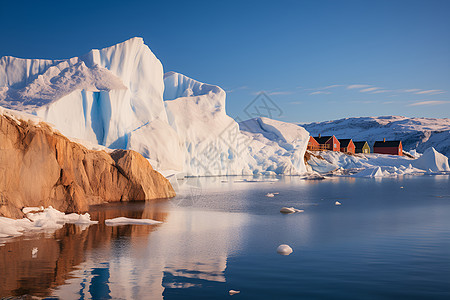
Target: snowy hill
(415, 133)
(119, 97)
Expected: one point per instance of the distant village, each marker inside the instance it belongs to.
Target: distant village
(331, 143)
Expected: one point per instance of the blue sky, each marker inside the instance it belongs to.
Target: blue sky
(317, 60)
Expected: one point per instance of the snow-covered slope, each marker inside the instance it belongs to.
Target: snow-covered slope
(378, 165)
(114, 97)
(415, 133)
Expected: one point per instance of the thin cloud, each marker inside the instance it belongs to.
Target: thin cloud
(319, 92)
(357, 86)
(237, 89)
(429, 103)
(410, 90)
(280, 93)
(381, 91)
(331, 86)
(369, 89)
(325, 87)
(363, 101)
(430, 92)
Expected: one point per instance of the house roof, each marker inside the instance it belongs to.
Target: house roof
(345, 142)
(360, 144)
(323, 139)
(382, 144)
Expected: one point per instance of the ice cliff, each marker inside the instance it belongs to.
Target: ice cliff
(119, 97)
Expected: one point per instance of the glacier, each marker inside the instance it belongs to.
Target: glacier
(119, 97)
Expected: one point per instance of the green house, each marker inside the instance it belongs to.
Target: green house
(362, 147)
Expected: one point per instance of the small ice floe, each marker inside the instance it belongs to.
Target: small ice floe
(128, 221)
(233, 292)
(34, 252)
(276, 193)
(401, 187)
(314, 176)
(284, 249)
(40, 219)
(290, 210)
(337, 203)
(270, 195)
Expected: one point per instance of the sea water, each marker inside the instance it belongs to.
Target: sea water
(389, 239)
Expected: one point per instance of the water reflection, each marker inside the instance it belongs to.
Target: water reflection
(189, 249)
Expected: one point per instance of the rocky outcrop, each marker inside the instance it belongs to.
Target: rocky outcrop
(40, 166)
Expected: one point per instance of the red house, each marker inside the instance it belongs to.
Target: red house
(328, 142)
(388, 147)
(347, 145)
(313, 144)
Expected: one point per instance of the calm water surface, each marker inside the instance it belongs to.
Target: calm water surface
(383, 242)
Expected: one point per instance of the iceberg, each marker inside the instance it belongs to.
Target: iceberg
(119, 97)
(433, 161)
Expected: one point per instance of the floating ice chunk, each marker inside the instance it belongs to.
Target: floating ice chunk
(370, 172)
(337, 203)
(45, 219)
(34, 252)
(51, 218)
(284, 250)
(401, 187)
(128, 221)
(233, 292)
(290, 210)
(270, 195)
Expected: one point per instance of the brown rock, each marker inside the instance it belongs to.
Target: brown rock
(39, 166)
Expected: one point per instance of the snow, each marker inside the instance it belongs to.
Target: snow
(415, 133)
(128, 221)
(40, 219)
(379, 165)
